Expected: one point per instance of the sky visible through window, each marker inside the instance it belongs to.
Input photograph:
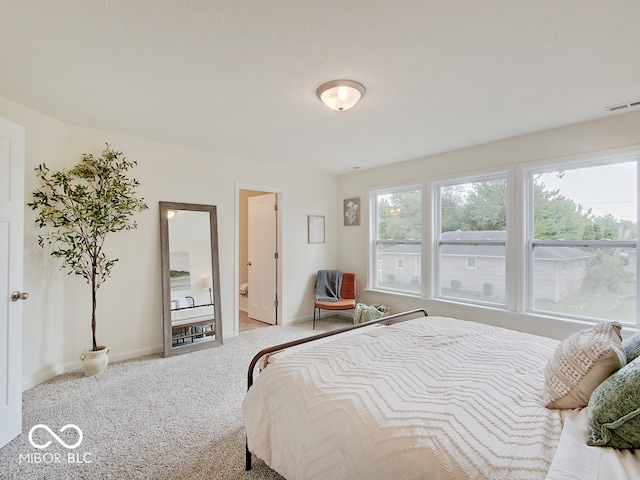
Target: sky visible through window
(606, 189)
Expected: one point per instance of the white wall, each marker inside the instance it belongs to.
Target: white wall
(614, 132)
(57, 314)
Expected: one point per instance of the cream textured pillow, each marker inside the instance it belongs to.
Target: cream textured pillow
(581, 363)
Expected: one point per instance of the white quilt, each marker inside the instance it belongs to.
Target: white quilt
(432, 398)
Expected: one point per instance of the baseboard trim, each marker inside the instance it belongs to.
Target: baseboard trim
(134, 354)
(118, 357)
(48, 374)
(73, 366)
(309, 318)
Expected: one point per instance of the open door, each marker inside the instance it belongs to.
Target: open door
(11, 296)
(262, 257)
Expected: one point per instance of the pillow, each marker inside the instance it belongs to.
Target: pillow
(614, 409)
(580, 363)
(632, 347)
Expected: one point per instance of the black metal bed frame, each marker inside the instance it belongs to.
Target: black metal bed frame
(281, 346)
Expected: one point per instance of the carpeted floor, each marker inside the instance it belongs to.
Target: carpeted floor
(148, 418)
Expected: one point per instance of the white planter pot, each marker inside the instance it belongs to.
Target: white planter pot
(94, 362)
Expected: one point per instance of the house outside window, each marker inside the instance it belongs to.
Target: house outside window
(397, 218)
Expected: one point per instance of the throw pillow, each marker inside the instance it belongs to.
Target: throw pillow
(632, 347)
(581, 363)
(614, 409)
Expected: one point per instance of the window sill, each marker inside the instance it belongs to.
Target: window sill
(529, 322)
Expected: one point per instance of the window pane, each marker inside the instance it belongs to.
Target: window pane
(597, 282)
(474, 206)
(399, 267)
(590, 203)
(472, 213)
(398, 240)
(473, 272)
(400, 215)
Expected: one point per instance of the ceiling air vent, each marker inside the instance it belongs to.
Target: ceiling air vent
(622, 106)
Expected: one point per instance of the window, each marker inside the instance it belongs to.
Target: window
(471, 241)
(583, 240)
(556, 239)
(398, 239)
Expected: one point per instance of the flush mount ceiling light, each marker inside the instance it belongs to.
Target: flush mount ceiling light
(340, 95)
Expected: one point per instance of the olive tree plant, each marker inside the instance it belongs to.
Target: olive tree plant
(80, 207)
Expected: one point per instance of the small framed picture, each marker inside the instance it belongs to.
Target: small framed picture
(315, 228)
(351, 207)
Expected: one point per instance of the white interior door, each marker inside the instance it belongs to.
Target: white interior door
(262, 259)
(11, 235)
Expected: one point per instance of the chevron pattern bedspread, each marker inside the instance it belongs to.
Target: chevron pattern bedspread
(432, 398)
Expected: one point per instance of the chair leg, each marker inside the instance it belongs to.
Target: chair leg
(314, 316)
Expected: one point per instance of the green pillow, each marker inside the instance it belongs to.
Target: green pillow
(614, 409)
(632, 347)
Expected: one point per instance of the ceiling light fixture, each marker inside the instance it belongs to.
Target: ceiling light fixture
(340, 95)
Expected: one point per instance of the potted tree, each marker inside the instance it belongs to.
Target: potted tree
(80, 207)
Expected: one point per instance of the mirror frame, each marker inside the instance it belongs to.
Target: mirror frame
(168, 349)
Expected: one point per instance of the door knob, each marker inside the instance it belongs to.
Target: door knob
(15, 296)
(249, 263)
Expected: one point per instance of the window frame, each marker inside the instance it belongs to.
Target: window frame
(374, 262)
(436, 185)
(527, 174)
(519, 245)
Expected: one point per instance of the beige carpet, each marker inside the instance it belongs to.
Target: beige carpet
(148, 418)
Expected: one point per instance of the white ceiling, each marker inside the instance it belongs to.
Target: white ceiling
(238, 77)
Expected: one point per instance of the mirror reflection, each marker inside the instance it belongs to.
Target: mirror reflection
(190, 264)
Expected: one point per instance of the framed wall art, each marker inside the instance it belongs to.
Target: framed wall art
(351, 210)
(315, 228)
(180, 271)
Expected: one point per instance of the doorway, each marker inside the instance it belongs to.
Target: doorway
(258, 291)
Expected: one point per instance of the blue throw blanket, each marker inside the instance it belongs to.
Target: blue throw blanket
(328, 285)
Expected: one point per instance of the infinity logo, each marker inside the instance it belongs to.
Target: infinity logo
(60, 441)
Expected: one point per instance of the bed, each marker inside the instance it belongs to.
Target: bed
(427, 397)
(192, 322)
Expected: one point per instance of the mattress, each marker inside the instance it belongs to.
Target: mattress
(434, 398)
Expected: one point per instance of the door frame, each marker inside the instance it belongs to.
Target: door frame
(279, 246)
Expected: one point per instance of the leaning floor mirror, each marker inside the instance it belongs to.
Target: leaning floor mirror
(190, 277)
